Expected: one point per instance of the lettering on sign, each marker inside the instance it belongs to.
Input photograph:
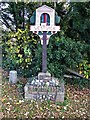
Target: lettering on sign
(44, 28)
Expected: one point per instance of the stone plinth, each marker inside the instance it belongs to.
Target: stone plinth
(47, 89)
(44, 76)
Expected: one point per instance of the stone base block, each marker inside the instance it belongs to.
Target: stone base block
(13, 76)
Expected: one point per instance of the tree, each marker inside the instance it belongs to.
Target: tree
(68, 48)
(16, 15)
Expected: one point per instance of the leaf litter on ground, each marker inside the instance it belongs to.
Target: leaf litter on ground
(75, 105)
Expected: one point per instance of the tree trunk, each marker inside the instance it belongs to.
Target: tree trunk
(23, 18)
(15, 18)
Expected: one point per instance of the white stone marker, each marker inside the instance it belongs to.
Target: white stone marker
(13, 76)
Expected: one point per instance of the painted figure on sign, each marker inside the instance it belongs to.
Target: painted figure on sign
(45, 18)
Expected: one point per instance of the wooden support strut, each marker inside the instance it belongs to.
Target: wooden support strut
(75, 73)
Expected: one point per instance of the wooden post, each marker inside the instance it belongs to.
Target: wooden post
(44, 54)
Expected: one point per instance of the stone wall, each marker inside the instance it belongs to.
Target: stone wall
(47, 88)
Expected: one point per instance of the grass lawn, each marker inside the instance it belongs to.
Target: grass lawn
(75, 106)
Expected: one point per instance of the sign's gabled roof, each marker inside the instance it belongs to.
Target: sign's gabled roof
(44, 8)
